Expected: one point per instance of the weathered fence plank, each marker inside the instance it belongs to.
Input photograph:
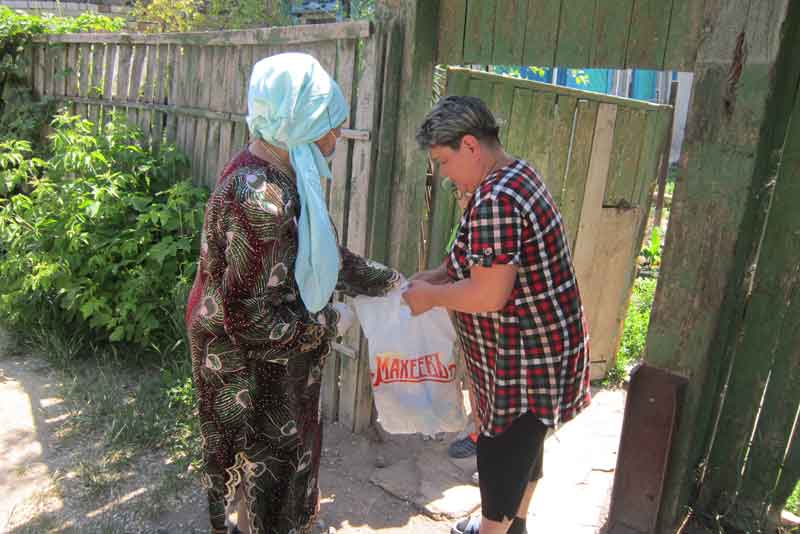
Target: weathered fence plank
(479, 31)
(628, 142)
(452, 23)
(261, 36)
(701, 264)
(685, 27)
(563, 122)
(577, 173)
(541, 33)
(575, 33)
(611, 29)
(509, 43)
(647, 42)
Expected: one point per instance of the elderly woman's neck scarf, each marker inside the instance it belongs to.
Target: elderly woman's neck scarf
(291, 103)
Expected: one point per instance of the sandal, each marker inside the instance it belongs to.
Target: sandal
(469, 525)
(464, 447)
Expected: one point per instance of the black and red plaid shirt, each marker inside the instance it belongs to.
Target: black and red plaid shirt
(533, 354)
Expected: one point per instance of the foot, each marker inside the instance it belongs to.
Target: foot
(470, 525)
(464, 447)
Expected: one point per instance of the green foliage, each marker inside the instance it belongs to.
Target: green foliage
(235, 14)
(104, 241)
(20, 116)
(793, 504)
(634, 335)
(651, 252)
(158, 16)
(17, 167)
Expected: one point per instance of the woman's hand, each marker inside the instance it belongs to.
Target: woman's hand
(418, 295)
(436, 276)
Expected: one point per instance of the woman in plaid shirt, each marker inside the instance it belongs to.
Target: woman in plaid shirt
(509, 279)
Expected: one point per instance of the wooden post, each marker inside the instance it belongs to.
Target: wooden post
(418, 19)
(663, 172)
(710, 237)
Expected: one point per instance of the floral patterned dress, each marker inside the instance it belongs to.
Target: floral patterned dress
(257, 352)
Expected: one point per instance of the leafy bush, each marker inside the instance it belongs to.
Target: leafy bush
(17, 167)
(21, 117)
(105, 242)
(793, 504)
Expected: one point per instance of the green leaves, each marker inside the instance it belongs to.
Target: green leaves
(105, 235)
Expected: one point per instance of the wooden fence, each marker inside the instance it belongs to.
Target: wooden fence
(600, 157)
(190, 89)
(654, 34)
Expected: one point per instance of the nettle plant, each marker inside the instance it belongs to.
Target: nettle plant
(105, 242)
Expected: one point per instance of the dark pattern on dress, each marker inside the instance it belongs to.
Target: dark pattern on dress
(258, 353)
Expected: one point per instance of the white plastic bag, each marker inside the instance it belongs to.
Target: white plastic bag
(412, 366)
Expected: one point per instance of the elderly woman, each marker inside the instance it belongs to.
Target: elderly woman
(259, 315)
(510, 281)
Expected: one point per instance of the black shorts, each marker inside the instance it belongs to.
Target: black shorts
(507, 463)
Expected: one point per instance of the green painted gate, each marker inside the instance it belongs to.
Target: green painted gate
(599, 156)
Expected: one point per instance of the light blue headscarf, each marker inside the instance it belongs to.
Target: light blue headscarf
(291, 103)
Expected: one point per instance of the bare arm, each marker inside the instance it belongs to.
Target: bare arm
(486, 290)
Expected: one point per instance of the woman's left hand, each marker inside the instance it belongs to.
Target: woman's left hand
(418, 296)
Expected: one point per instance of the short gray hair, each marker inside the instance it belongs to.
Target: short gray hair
(452, 118)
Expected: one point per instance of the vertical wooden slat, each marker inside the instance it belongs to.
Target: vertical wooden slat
(563, 118)
(763, 392)
(40, 70)
(519, 127)
(452, 23)
(201, 74)
(457, 82)
(241, 137)
(541, 32)
(340, 186)
(685, 27)
(197, 145)
(123, 74)
(501, 101)
(72, 70)
(245, 67)
(628, 139)
(578, 167)
(590, 229)
(511, 18)
(212, 153)
(540, 138)
(479, 32)
(481, 88)
(230, 86)
(387, 159)
(575, 33)
(225, 145)
(358, 224)
(97, 79)
(84, 80)
(218, 96)
(138, 57)
(112, 51)
(648, 35)
(652, 149)
(59, 70)
(611, 28)
(592, 204)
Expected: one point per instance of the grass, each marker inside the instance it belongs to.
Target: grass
(634, 334)
(793, 504)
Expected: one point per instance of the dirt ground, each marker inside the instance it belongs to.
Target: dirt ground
(391, 485)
